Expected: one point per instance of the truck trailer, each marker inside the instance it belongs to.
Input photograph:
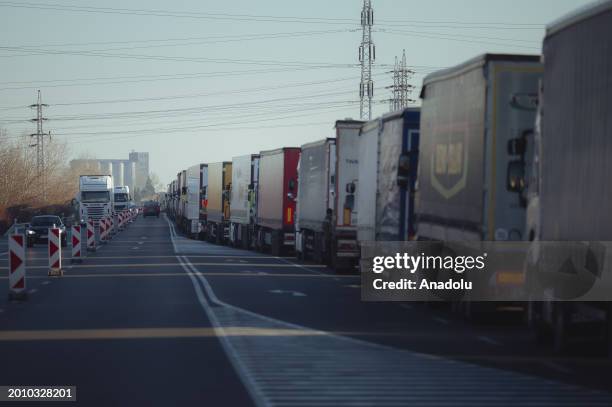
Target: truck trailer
(569, 188)
(474, 120)
(191, 203)
(218, 201)
(243, 200)
(276, 196)
(388, 158)
(315, 199)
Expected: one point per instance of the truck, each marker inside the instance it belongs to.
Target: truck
(315, 199)
(95, 197)
(276, 196)
(121, 198)
(329, 170)
(568, 189)
(181, 204)
(192, 201)
(243, 200)
(218, 208)
(388, 160)
(475, 118)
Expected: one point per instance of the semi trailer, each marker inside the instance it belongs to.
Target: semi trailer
(315, 200)
(276, 196)
(568, 188)
(218, 201)
(388, 158)
(243, 200)
(475, 118)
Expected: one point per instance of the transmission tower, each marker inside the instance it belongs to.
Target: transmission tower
(367, 55)
(40, 142)
(401, 89)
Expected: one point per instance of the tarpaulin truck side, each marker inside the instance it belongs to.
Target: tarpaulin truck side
(473, 119)
(314, 207)
(192, 200)
(571, 192)
(219, 183)
(388, 157)
(470, 116)
(277, 192)
(245, 173)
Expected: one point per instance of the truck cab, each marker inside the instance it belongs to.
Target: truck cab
(121, 198)
(95, 197)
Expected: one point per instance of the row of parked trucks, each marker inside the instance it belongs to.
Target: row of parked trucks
(503, 148)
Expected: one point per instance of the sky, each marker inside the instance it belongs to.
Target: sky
(204, 81)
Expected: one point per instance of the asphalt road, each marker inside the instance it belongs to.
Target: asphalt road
(153, 318)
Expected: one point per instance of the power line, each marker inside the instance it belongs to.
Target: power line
(252, 17)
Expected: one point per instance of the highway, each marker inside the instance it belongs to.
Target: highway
(154, 318)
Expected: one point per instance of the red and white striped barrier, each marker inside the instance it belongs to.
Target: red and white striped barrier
(77, 254)
(17, 268)
(114, 223)
(102, 227)
(109, 228)
(91, 235)
(120, 216)
(55, 251)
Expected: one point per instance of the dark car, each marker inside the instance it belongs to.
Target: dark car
(39, 228)
(151, 208)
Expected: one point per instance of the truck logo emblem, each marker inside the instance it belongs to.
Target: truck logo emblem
(449, 164)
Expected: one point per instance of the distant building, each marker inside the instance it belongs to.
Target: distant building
(132, 172)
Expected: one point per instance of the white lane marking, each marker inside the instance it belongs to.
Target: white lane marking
(312, 368)
(140, 242)
(293, 293)
(32, 291)
(135, 248)
(233, 356)
(489, 340)
(441, 320)
(2, 254)
(46, 282)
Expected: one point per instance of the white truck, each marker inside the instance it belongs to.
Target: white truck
(121, 198)
(326, 213)
(243, 199)
(95, 197)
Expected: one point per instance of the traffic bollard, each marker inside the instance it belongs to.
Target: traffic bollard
(91, 235)
(17, 268)
(77, 255)
(55, 251)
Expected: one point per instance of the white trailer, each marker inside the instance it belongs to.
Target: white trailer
(245, 172)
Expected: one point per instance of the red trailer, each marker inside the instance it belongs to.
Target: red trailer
(276, 196)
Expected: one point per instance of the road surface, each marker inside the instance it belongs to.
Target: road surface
(153, 318)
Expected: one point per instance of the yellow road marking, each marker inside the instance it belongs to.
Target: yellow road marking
(147, 333)
(101, 275)
(131, 265)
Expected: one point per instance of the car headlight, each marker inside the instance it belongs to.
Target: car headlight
(30, 232)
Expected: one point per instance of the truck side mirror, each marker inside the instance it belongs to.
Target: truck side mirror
(403, 170)
(350, 188)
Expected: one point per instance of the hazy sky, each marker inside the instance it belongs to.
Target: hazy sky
(202, 81)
